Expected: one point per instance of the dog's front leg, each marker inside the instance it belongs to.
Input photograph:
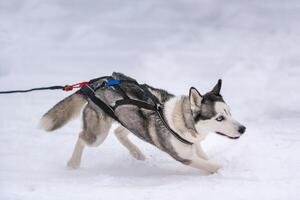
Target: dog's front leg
(206, 165)
(199, 160)
(200, 152)
(196, 161)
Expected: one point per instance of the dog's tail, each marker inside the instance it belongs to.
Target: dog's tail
(63, 112)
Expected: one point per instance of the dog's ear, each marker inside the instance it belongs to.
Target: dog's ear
(195, 98)
(216, 90)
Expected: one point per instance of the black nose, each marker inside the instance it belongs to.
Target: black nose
(242, 129)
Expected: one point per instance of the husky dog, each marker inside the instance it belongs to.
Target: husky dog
(192, 117)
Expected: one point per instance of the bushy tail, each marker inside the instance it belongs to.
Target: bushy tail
(63, 112)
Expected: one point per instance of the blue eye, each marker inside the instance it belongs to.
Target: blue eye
(220, 118)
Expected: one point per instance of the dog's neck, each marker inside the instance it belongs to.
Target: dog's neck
(179, 117)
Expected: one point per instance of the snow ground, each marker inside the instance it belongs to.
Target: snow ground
(252, 45)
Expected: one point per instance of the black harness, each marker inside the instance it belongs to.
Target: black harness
(89, 91)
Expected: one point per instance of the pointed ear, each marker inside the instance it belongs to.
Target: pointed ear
(216, 90)
(195, 98)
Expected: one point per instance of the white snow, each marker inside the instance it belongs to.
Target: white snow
(252, 45)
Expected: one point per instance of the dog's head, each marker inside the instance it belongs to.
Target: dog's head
(212, 114)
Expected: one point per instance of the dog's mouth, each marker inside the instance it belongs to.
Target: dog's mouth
(233, 138)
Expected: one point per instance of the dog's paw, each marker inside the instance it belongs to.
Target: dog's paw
(73, 164)
(137, 154)
(214, 168)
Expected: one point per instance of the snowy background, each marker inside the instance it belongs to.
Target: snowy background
(252, 45)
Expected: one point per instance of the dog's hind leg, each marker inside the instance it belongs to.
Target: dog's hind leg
(122, 135)
(96, 125)
(75, 159)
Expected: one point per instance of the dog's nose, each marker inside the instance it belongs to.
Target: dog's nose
(242, 129)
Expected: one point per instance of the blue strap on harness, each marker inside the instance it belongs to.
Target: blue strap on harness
(112, 82)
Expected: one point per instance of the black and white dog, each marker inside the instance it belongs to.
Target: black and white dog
(192, 117)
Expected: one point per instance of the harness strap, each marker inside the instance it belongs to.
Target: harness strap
(121, 91)
(149, 94)
(90, 93)
(181, 139)
(97, 79)
(140, 104)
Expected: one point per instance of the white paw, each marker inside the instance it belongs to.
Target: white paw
(138, 155)
(214, 168)
(73, 164)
